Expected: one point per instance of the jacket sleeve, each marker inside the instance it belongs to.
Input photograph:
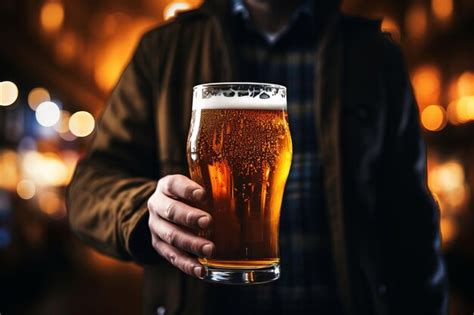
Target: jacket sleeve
(107, 196)
(414, 269)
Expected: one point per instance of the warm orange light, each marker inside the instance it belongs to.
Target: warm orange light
(174, 7)
(452, 113)
(9, 173)
(416, 22)
(448, 229)
(447, 182)
(8, 93)
(446, 177)
(51, 204)
(45, 169)
(67, 47)
(52, 16)
(37, 96)
(465, 84)
(70, 159)
(112, 55)
(81, 124)
(455, 199)
(26, 189)
(108, 71)
(453, 90)
(390, 26)
(465, 109)
(433, 118)
(62, 125)
(427, 82)
(442, 9)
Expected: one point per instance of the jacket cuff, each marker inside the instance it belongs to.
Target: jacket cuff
(137, 238)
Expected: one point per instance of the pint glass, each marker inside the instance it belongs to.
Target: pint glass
(239, 149)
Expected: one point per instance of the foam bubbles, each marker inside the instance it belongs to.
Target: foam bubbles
(239, 95)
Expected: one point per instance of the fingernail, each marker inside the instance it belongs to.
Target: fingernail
(203, 222)
(198, 271)
(198, 194)
(207, 250)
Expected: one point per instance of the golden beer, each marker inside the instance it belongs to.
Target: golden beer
(239, 150)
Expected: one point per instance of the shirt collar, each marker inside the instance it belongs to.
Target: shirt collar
(306, 8)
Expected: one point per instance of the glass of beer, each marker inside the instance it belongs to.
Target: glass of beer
(239, 149)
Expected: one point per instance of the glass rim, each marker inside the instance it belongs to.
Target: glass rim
(239, 83)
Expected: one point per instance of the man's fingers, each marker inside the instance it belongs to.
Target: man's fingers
(180, 186)
(180, 238)
(176, 257)
(178, 212)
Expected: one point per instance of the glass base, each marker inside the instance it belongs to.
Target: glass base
(242, 276)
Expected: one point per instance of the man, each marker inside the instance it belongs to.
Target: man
(359, 229)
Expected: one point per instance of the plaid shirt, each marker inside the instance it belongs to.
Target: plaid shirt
(307, 282)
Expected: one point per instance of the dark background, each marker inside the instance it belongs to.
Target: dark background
(76, 49)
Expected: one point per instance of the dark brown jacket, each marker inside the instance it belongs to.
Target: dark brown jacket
(383, 220)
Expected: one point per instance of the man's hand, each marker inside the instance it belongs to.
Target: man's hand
(172, 222)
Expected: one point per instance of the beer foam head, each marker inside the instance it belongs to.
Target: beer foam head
(239, 95)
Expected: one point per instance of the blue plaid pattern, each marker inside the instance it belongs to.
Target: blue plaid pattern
(307, 284)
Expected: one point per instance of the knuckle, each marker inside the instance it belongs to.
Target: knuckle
(157, 246)
(188, 192)
(170, 237)
(190, 218)
(159, 186)
(170, 210)
(195, 247)
(168, 184)
(171, 258)
(188, 268)
(164, 183)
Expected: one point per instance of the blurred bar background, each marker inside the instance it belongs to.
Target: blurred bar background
(59, 59)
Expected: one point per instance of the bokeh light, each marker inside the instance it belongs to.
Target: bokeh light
(51, 204)
(46, 169)
(451, 111)
(26, 189)
(8, 93)
(390, 26)
(426, 83)
(62, 126)
(67, 47)
(67, 136)
(70, 159)
(442, 9)
(416, 21)
(445, 177)
(465, 84)
(52, 16)
(448, 229)
(433, 118)
(37, 96)
(81, 124)
(173, 8)
(447, 183)
(114, 54)
(47, 114)
(9, 172)
(465, 109)
(110, 65)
